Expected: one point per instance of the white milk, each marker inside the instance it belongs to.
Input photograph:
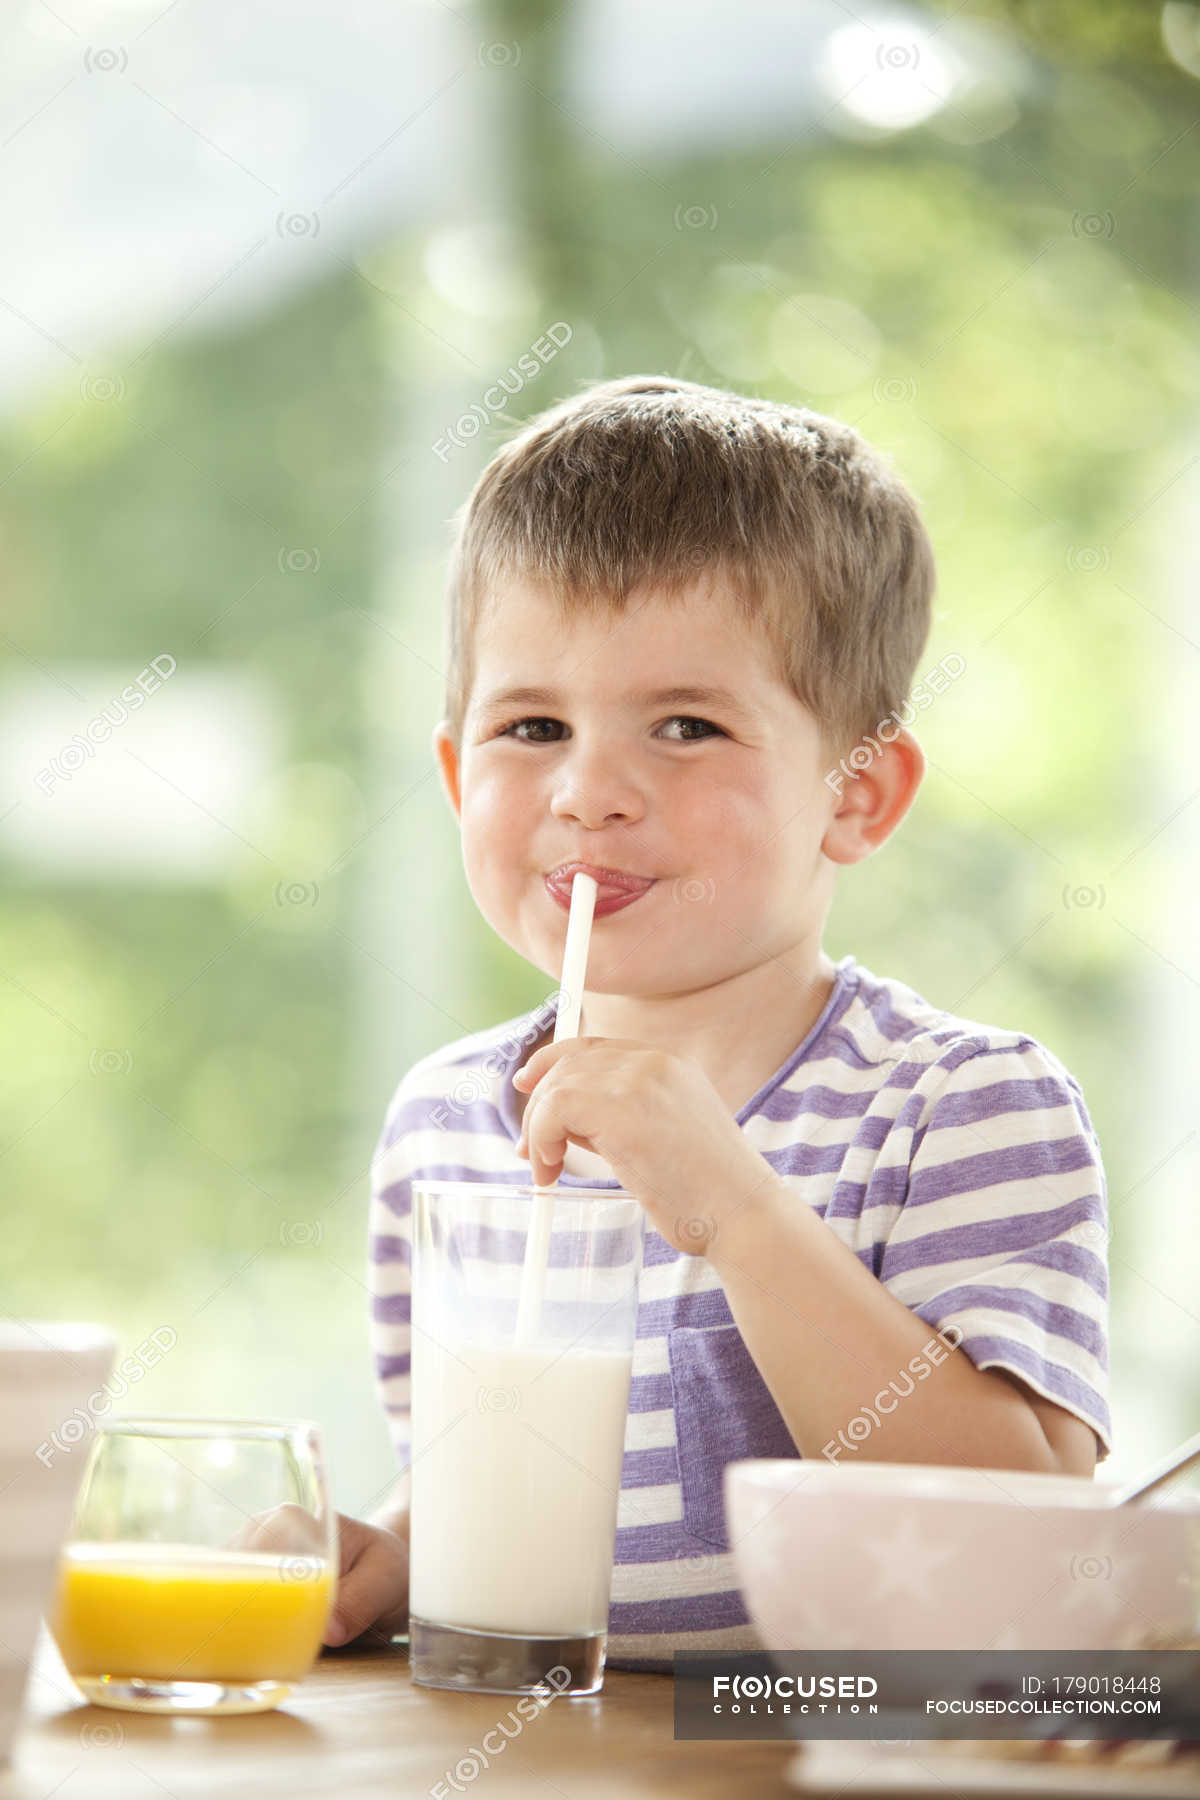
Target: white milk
(515, 1479)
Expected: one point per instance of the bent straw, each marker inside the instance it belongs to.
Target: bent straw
(566, 1025)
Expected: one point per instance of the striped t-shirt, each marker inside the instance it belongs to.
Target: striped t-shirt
(956, 1160)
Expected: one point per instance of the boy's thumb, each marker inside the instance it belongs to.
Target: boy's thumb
(357, 1603)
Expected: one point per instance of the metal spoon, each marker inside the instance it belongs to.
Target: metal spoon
(1172, 1464)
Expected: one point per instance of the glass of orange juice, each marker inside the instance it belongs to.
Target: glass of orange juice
(200, 1566)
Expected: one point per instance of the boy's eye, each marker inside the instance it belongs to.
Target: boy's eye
(707, 727)
(516, 729)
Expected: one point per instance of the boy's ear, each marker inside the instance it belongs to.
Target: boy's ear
(447, 761)
(870, 802)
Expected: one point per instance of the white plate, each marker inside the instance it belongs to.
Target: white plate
(831, 1769)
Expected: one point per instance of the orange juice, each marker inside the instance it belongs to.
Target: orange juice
(180, 1612)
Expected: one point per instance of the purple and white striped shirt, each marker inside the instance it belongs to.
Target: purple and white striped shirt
(956, 1160)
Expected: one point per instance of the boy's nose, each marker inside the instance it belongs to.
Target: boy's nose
(595, 789)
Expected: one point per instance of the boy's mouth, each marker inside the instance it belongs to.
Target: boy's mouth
(616, 888)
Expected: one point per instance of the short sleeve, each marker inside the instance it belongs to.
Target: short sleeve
(389, 1281)
(1003, 1231)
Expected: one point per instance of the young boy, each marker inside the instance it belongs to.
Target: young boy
(683, 629)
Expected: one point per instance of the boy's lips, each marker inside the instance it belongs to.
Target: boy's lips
(616, 888)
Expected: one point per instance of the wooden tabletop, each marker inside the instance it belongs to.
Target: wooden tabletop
(357, 1729)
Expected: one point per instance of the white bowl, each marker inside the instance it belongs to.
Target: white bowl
(893, 1556)
(48, 1375)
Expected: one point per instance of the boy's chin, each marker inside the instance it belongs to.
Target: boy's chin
(623, 981)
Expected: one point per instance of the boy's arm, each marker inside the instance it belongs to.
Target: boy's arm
(828, 1338)
(1070, 1437)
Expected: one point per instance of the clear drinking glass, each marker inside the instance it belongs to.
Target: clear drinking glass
(517, 1447)
(200, 1566)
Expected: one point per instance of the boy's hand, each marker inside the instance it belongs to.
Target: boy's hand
(372, 1567)
(372, 1582)
(655, 1118)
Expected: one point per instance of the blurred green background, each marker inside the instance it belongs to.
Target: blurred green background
(206, 1011)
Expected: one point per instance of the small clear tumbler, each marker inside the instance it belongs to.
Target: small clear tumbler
(200, 1567)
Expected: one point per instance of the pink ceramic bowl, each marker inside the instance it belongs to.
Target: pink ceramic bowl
(891, 1556)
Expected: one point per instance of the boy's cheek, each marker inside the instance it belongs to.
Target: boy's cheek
(494, 848)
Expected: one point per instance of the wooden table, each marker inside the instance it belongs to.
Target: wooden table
(358, 1729)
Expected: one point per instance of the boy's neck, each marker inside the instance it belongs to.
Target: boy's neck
(739, 1031)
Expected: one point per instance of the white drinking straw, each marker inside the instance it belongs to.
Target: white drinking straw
(566, 1025)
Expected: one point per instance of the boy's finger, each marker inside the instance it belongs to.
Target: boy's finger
(351, 1541)
(376, 1584)
(544, 1167)
(543, 1059)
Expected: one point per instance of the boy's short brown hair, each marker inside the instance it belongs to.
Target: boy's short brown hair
(647, 479)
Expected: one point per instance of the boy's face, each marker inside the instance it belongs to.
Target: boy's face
(720, 805)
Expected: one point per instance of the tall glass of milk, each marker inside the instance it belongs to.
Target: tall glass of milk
(517, 1441)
